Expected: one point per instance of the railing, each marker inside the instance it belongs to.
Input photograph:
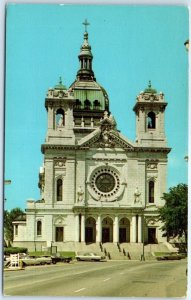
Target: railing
(119, 247)
(126, 253)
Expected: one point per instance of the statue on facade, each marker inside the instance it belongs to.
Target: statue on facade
(60, 121)
(137, 195)
(80, 194)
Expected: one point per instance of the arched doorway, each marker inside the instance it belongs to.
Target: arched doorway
(90, 234)
(124, 230)
(107, 230)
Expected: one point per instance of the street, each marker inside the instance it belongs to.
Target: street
(112, 278)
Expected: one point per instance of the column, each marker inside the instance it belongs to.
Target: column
(133, 229)
(77, 227)
(116, 230)
(82, 228)
(98, 230)
(50, 118)
(139, 229)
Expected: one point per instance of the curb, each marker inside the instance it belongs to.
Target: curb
(14, 269)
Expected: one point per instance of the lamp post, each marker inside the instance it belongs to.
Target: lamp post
(186, 44)
(143, 237)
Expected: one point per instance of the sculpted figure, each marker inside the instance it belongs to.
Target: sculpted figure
(137, 195)
(60, 121)
(80, 194)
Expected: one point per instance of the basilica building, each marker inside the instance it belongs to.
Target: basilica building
(96, 185)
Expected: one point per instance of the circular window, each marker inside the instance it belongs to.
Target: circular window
(105, 182)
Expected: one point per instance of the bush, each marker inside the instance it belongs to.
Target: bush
(14, 250)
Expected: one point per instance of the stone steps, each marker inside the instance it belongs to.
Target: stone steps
(131, 251)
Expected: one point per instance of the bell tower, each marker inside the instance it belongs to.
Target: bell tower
(59, 103)
(149, 109)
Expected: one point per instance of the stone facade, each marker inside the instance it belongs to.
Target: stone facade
(96, 185)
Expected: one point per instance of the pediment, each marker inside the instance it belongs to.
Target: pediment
(107, 138)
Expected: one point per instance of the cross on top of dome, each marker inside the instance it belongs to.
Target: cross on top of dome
(85, 23)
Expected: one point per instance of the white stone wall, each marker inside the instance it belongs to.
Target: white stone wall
(21, 231)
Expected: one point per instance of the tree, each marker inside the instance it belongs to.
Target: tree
(174, 214)
(9, 217)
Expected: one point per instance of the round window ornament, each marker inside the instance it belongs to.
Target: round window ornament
(105, 184)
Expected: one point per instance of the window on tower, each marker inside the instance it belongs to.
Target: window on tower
(60, 118)
(59, 189)
(151, 191)
(151, 120)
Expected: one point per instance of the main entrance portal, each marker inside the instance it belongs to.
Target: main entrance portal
(105, 235)
(107, 230)
(90, 232)
(124, 231)
(122, 235)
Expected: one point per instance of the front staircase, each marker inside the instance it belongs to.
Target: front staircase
(116, 251)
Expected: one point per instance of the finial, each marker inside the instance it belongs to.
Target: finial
(60, 80)
(85, 23)
(149, 85)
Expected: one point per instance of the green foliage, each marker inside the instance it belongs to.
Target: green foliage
(14, 250)
(62, 253)
(174, 213)
(9, 217)
(67, 254)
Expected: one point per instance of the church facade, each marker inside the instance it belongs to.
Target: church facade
(96, 185)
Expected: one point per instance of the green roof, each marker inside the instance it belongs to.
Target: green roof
(60, 86)
(149, 89)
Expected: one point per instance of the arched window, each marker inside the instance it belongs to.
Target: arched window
(39, 228)
(59, 190)
(78, 104)
(87, 104)
(60, 117)
(151, 191)
(151, 120)
(96, 105)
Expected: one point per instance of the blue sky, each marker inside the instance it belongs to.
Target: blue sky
(131, 45)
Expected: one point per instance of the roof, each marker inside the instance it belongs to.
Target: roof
(60, 85)
(149, 89)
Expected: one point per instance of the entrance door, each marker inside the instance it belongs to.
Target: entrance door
(151, 235)
(105, 235)
(89, 235)
(122, 235)
(59, 234)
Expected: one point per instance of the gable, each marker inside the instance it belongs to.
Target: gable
(107, 138)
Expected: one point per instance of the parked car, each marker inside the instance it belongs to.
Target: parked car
(170, 257)
(31, 260)
(90, 256)
(56, 259)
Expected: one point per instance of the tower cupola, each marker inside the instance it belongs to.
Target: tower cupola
(91, 99)
(150, 122)
(85, 57)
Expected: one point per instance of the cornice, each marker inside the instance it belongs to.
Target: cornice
(45, 147)
(144, 104)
